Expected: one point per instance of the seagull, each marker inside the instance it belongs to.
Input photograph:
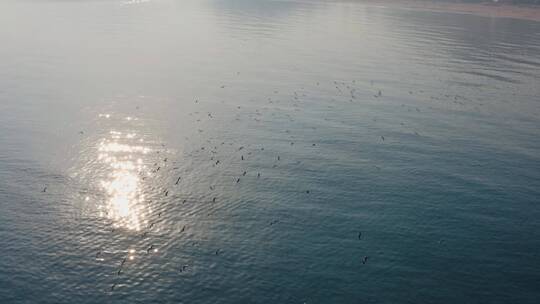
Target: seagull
(365, 259)
(44, 189)
(178, 180)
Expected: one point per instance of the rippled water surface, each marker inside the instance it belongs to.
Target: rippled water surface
(237, 151)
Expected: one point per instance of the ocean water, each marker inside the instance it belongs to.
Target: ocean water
(238, 151)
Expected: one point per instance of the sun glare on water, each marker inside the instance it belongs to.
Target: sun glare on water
(122, 185)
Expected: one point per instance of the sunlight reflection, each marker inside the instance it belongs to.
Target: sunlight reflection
(124, 204)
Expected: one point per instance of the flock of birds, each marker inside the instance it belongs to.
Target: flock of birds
(211, 153)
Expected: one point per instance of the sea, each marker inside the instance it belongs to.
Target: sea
(265, 151)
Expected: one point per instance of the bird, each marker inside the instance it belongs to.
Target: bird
(244, 174)
(238, 180)
(149, 248)
(44, 189)
(178, 180)
(382, 137)
(364, 260)
(183, 228)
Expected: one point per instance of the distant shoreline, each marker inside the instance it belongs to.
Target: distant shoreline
(487, 9)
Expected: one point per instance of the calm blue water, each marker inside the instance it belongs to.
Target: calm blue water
(133, 133)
